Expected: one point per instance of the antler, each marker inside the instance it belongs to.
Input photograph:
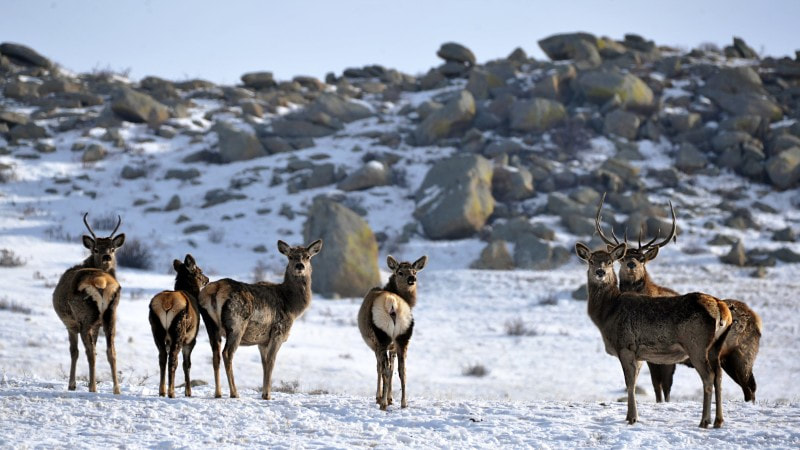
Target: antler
(119, 222)
(88, 226)
(600, 230)
(673, 234)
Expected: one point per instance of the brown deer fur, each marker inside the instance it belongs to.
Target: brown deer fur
(86, 297)
(386, 324)
(257, 314)
(174, 321)
(664, 330)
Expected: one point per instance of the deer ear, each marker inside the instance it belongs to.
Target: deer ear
(420, 263)
(88, 242)
(118, 240)
(619, 251)
(176, 264)
(189, 260)
(283, 247)
(651, 254)
(392, 263)
(583, 251)
(315, 247)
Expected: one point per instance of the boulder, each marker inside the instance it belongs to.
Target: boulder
(373, 173)
(296, 128)
(689, 159)
(13, 118)
(481, 82)
(337, 108)
(621, 123)
(736, 256)
(258, 80)
(24, 54)
(512, 183)
(455, 198)
(236, 144)
(173, 204)
(137, 107)
(182, 174)
(27, 131)
(784, 235)
(494, 256)
(93, 153)
(348, 264)
(559, 47)
(451, 51)
(532, 253)
(454, 117)
(600, 87)
(537, 114)
(739, 91)
(783, 169)
(218, 196)
(21, 90)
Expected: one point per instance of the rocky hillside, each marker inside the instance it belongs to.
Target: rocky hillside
(512, 153)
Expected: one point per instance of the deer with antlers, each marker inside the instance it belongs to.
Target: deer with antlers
(86, 297)
(738, 353)
(663, 330)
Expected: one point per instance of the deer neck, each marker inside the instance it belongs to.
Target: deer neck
(296, 292)
(88, 263)
(602, 299)
(633, 285)
(409, 293)
(187, 286)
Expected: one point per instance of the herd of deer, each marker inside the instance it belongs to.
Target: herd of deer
(638, 319)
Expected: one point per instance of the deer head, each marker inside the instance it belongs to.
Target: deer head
(299, 257)
(632, 267)
(190, 274)
(103, 249)
(405, 273)
(601, 263)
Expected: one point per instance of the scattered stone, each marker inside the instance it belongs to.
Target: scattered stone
(786, 254)
(347, 266)
(195, 228)
(219, 196)
(575, 46)
(137, 107)
(258, 80)
(451, 51)
(783, 169)
(27, 131)
(173, 204)
(512, 183)
(785, 235)
(495, 256)
(689, 159)
(13, 118)
(93, 153)
(373, 173)
(454, 117)
(337, 107)
(455, 198)
(621, 123)
(736, 256)
(24, 54)
(236, 144)
(182, 174)
(759, 272)
(538, 114)
(721, 239)
(600, 87)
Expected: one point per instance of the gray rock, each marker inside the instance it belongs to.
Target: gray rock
(537, 114)
(721, 239)
(348, 264)
(532, 253)
(137, 107)
(600, 87)
(236, 144)
(455, 198)
(744, 50)
(451, 51)
(453, 69)
(293, 128)
(13, 118)
(747, 123)
(24, 54)
(786, 255)
(561, 205)
(621, 123)
(21, 90)
(683, 121)
(252, 108)
(93, 153)
(783, 169)
(689, 159)
(585, 196)
(739, 91)
(621, 168)
(742, 219)
(727, 139)
(495, 256)
(579, 225)
(512, 183)
(258, 80)
(275, 144)
(454, 117)
(559, 47)
(173, 204)
(196, 228)
(27, 131)
(373, 173)
(481, 82)
(736, 256)
(182, 174)
(337, 108)
(219, 196)
(784, 235)
(783, 142)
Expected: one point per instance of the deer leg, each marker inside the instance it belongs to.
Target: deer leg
(379, 390)
(703, 368)
(735, 366)
(73, 353)
(630, 368)
(89, 345)
(716, 369)
(215, 338)
(231, 344)
(383, 366)
(392, 355)
(187, 365)
(174, 349)
(656, 378)
(401, 368)
(109, 329)
(268, 354)
(667, 376)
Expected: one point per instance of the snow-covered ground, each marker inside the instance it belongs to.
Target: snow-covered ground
(552, 386)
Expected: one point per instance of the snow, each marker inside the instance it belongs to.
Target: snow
(551, 387)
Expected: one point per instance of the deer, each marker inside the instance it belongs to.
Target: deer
(86, 297)
(738, 353)
(175, 320)
(257, 314)
(663, 330)
(386, 324)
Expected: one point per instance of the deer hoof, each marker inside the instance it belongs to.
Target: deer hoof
(71, 387)
(266, 396)
(404, 404)
(116, 390)
(632, 420)
(704, 423)
(217, 395)
(718, 423)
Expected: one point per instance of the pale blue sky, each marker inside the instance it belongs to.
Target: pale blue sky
(218, 41)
